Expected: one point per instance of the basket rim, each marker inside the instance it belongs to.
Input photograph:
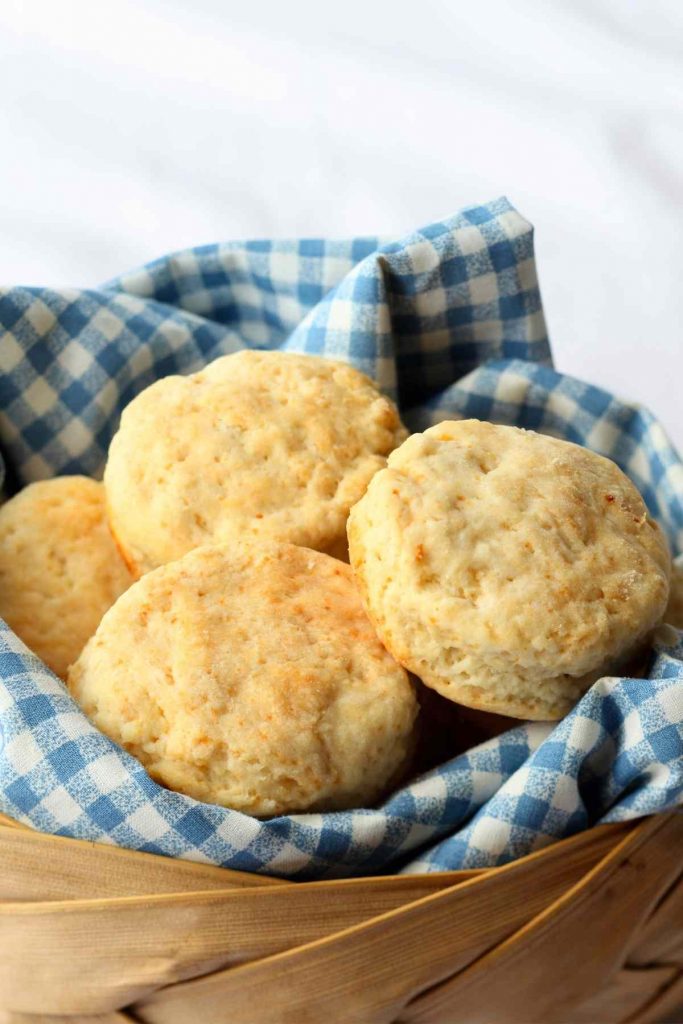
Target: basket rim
(441, 880)
(182, 990)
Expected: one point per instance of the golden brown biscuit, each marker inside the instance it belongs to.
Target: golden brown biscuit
(506, 569)
(268, 444)
(250, 676)
(59, 568)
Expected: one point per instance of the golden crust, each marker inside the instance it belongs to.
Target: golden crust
(250, 676)
(508, 570)
(59, 567)
(266, 444)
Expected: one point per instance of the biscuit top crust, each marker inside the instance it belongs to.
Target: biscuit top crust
(488, 553)
(250, 676)
(59, 567)
(268, 444)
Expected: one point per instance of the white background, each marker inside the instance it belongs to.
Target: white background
(137, 127)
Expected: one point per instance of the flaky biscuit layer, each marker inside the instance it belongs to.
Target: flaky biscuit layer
(507, 569)
(265, 444)
(59, 568)
(250, 676)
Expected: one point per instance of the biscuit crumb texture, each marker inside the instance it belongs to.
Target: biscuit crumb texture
(507, 569)
(250, 677)
(59, 567)
(266, 444)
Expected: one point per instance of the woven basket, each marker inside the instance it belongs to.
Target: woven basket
(585, 931)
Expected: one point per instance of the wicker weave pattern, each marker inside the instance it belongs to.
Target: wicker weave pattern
(585, 931)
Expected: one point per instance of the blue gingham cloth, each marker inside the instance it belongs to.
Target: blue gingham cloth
(449, 322)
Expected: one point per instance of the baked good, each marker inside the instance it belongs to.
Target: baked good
(249, 676)
(266, 444)
(508, 570)
(674, 610)
(59, 567)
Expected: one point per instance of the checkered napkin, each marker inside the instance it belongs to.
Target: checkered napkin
(449, 322)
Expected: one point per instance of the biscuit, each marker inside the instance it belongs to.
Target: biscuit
(508, 570)
(265, 444)
(249, 676)
(59, 567)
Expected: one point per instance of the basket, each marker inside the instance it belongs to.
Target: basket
(587, 930)
(448, 321)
